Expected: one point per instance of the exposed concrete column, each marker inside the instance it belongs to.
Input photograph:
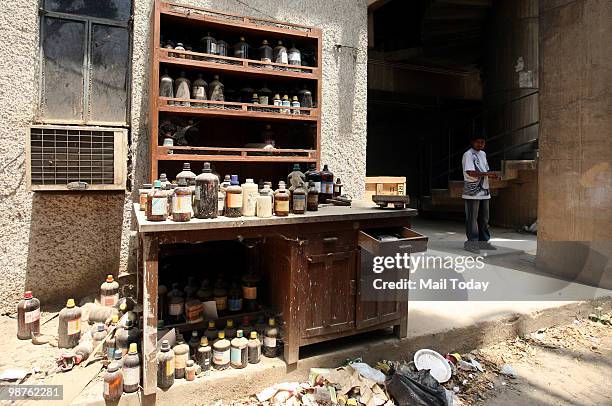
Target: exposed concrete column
(575, 173)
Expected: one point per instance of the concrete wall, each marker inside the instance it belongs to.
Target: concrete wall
(59, 245)
(575, 173)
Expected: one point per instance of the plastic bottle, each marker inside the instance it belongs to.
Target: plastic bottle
(113, 382)
(264, 202)
(69, 329)
(207, 193)
(298, 196)
(270, 349)
(204, 355)
(233, 198)
(165, 366)
(220, 295)
(313, 175)
(28, 317)
(126, 336)
(118, 358)
(193, 343)
(190, 370)
(327, 185)
(181, 202)
(234, 299)
(109, 292)
(110, 341)
(230, 329)
(157, 204)
(131, 370)
(211, 332)
(254, 348)
(239, 356)
(281, 201)
(222, 193)
(312, 200)
(221, 352)
(249, 198)
(181, 355)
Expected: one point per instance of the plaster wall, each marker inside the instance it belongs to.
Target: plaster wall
(61, 245)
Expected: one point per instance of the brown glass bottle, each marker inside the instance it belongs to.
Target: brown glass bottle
(281, 201)
(69, 328)
(157, 204)
(233, 198)
(312, 201)
(270, 345)
(181, 202)
(113, 382)
(28, 317)
(204, 355)
(338, 188)
(327, 185)
(254, 348)
(207, 193)
(298, 196)
(165, 366)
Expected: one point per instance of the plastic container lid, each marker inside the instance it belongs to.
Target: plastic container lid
(28, 295)
(109, 278)
(221, 335)
(234, 180)
(113, 367)
(436, 364)
(157, 183)
(206, 168)
(253, 334)
(239, 334)
(70, 303)
(118, 355)
(133, 348)
(165, 346)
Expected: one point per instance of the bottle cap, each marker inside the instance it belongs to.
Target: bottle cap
(133, 348)
(182, 182)
(239, 334)
(163, 178)
(186, 165)
(221, 335)
(277, 96)
(285, 97)
(296, 167)
(264, 42)
(100, 327)
(109, 278)
(123, 307)
(234, 180)
(230, 323)
(253, 335)
(206, 168)
(271, 321)
(118, 355)
(70, 303)
(295, 98)
(211, 324)
(113, 367)
(189, 363)
(325, 168)
(115, 319)
(249, 180)
(157, 184)
(165, 346)
(203, 341)
(28, 295)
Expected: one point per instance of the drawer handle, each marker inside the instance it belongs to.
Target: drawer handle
(330, 240)
(405, 246)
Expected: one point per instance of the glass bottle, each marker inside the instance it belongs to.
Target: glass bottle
(181, 355)
(255, 99)
(241, 49)
(194, 343)
(69, 328)
(199, 90)
(250, 282)
(205, 292)
(299, 200)
(286, 104)
(99, 336)
(142, 195)
(234, 299)
(165, 366)
(194, 310)
(239, 355)
(296, 173)
(270, 349)
(127, 335)
(215, 89)
(222, 193)
(222, 48)
(338, 188)
(305, 97)
(182, 90)
(28, 317)
(110, 342)
(204, 355)
(312, 200)
(249, 198)
(190, 370)
(266, 53)
(281, 201)
(264, 202)
(181, 202)
(113, 382)
(221, 352)
(166, 87)
(211, 332)
(157, 204)
(230, 329)
(264, 95)
(254, 348)
(220, 295)
(170, 45)
(187, 174)
(233, 198)
(327, 185)
(188, 48)
(280, 53)
(207, 193)
(246, 94)
(277, 102)
(313, 175)
(176, 304)
(179, 47)
(208, 44)
(294, 57)
(131, 370)
(295, 104)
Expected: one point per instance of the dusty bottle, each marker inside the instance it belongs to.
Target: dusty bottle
(190, 370)
(266, 53)
(187, 174)
(211, 332)
(181, 202)
(142, 196)
(157, 204)
(295, 174)
(204, 355)
(312, 200)
(220, 295)
(84, 349)
(234, 299)
(199, 90)
(127, 336)
(28, 317)
(294, 56)
(181, 355)
(194, 343)
(207, 193)
(222, 193)
(99, 336)
(131, 370)
(110, 341)
(208, 44)
(327, 185)
(313, 175)
(166, 87)
(280, 53)
(176, 304)
(118, 358)
(281, 201)
(295, 105)
(254, 348)
(113, 382)
(265, 94)
(109, 292)
(194, 310)
(286, 103)
(216, 90)
(165, 366)
(241, 49)
(221, 352)
(182, 90)
(298, 196)
(338, 187)
(69, 329)
(305, 97)
(230, 329)
(233, 198)
(249, 198)
(270, 349)
(205, 292)
(264, 202)
(239, 355)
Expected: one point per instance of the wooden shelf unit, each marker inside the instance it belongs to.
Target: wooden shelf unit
(204, 20)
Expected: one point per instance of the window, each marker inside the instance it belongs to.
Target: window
(85, 61)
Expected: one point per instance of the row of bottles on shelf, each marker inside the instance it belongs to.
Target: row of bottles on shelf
(204, 197)
(241, 49)
(183, 88)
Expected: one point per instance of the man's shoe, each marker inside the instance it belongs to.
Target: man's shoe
(487, 246)
(471, 248)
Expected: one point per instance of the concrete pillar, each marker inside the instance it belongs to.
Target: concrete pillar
(575, 173)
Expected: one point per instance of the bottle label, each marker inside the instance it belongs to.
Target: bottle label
(110, 300)
(221, 357)
(221, 302)
(197, 192)
(106, 389)
(294, 58)
(170, 367)
(234, 305)
(181, 204)
(277, 102)
(199, 92)
(131, 376)
(282, 57)
(175, 309)
(32, 316)
(336, 189)
(181, 360)
(236, 355)
(234, 200)
(195, 313)
(263, 99)
(328, 187)
(299, 202)
(249, 292)
(270, 342)
(159, 206)
(74, 327)
(317, 186)
(250, 204)
(282, 205)
(143, 201)
(221, 200)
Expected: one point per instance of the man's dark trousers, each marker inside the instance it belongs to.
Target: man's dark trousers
(477, 219)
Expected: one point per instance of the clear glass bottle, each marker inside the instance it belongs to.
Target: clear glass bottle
(312, 200)
(241, 49)
(280, 53)
(181, 202)
(166, 87)
(327, 185)
(157, 204)
(265, 95)
(216, 90)
(281, 201)
(208, 44)
(239, 353)
(233, 198)
(207, 193)
(165, 366)
(182, 90)
(179, 47)
(294, 56)
(28, 317)
(199, 91)
(305, 97)
(249, 198)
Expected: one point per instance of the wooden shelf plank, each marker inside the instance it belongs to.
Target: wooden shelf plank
(242, 113)
(234, 158)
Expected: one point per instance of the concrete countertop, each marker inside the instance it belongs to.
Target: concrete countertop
(359, 210)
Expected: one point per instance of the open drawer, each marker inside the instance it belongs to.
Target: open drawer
(392, 240)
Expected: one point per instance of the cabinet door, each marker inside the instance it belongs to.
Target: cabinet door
(328, 303)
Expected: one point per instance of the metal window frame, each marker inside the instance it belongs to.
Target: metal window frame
(86, 68)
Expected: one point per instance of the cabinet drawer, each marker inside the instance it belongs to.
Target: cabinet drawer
(335, 241)
(392, 240)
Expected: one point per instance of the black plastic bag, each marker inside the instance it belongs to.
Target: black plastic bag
(416, 389)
